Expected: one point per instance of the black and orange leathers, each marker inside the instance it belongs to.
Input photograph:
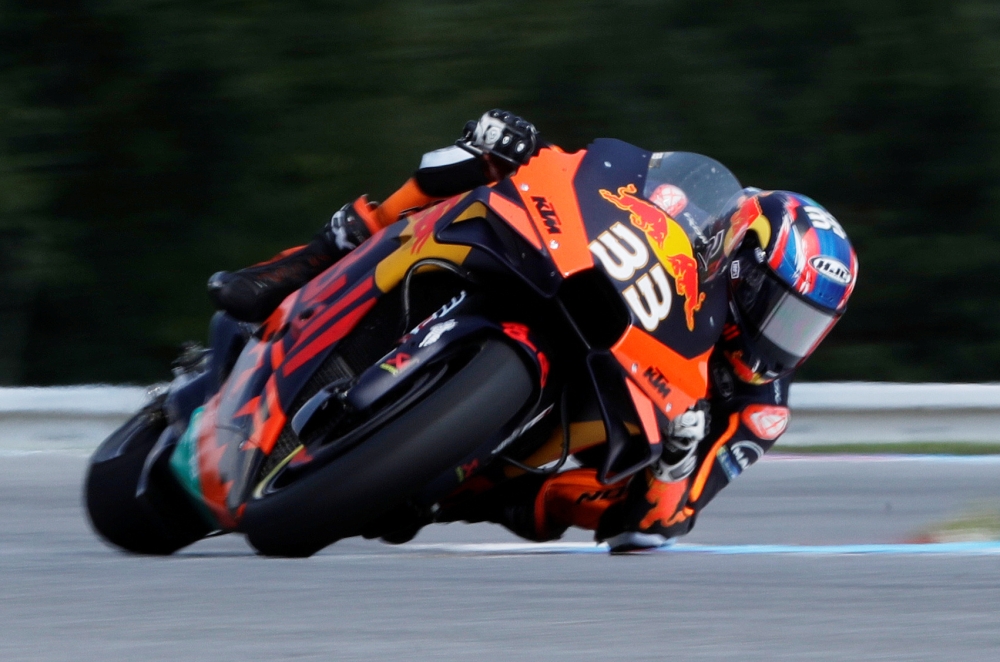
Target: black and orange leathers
(746, 420)
(252, 293)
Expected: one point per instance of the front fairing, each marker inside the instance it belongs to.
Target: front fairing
(229, 438)
(620, 221)
(564, 215)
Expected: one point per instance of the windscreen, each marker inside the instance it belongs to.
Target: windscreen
(695, 191)
(679, 179)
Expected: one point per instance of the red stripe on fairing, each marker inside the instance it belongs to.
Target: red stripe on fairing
(809, 248)
(233, 385)
(328, 337)
(249, 408)
(331, 312)
(321, 283)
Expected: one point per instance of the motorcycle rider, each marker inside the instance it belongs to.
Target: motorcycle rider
(490, 149)
(789, 282)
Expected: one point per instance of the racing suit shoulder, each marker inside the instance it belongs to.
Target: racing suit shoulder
(747, 419)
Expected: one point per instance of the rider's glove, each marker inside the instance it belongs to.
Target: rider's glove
(347, 229)
(655, 508)
(680, 449)
(502, 135)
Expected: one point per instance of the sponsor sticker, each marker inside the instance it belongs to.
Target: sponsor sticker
(766, 422)
(831, 268)
(657, 380)
(731, 469)
(548, 213)
(746, 453)
(670, 199)
(436, 331)
(398, 363)
(441, 312)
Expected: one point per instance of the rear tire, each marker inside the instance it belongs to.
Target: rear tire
(339, 500)
(160, 523)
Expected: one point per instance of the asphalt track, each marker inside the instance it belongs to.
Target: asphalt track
(832, 582)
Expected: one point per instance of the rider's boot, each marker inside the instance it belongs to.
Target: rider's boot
(542, 508)
(655, 512)
(252, 294)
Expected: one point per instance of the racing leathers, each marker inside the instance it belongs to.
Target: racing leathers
(489, 150)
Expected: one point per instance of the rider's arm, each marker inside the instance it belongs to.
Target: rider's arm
(745, 425)
(744, 422)
(490, 149)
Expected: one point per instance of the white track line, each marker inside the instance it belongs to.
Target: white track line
(886, 457)
(503, 549)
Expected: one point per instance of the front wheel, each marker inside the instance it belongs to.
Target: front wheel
(160, 522)
(447, 425)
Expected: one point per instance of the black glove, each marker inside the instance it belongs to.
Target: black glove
(346, 230)
(501, 135)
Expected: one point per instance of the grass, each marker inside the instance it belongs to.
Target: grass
(902, 448)
(980, 524)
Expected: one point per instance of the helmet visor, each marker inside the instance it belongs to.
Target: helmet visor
(778, 315)
(795, 326)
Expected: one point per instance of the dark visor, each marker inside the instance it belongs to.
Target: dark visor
(784, 319)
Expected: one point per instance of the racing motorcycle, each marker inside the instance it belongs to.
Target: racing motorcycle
(566, 311)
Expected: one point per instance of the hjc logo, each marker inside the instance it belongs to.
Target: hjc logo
(833, 269)
(657, 380)
(548, 213)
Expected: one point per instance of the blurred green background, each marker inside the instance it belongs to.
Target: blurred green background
(145, 144)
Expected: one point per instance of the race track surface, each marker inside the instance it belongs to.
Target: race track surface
(454, 594)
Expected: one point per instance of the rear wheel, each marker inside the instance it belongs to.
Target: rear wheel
(162, 521)
(338, 500)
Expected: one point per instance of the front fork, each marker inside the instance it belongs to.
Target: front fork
(192, 387)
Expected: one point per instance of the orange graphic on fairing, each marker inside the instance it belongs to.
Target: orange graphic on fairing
(214, 487)
(562, 224)
(423, 221)
(574, 498)
(669, 243)
(638, 351)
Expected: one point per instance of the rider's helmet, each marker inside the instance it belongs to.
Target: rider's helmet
(789, 282)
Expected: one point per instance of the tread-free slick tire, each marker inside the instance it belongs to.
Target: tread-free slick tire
(337, 501)
(115, 513)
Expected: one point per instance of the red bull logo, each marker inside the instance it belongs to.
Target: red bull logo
(684, 270)
(643, 214)
(422, 230)
(668, 241)
(748, 217)
(422, 222)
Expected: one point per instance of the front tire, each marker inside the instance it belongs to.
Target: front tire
(445, 427)
(159, 523)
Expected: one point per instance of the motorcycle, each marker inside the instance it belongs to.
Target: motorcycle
(566, 311)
